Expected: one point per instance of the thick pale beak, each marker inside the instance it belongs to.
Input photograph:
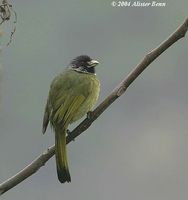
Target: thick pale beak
(93, 63)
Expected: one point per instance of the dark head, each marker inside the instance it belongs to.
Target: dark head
(84, 64)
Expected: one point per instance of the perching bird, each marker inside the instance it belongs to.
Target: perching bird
(72, 94)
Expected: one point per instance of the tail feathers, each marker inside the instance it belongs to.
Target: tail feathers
(61, 157)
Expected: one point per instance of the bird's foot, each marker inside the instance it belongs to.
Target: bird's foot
(68, 133)
(89, 114)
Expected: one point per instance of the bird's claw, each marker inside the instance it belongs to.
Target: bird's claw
(89, 114)
(68, 133)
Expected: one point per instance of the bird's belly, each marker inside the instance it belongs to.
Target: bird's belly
(89, 103)
(85, 108)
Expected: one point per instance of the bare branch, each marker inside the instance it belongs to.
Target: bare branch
(85, 124)
(6, 12)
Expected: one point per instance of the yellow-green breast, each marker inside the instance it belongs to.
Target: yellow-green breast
(90, 88)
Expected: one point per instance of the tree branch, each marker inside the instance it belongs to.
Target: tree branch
(85, 124)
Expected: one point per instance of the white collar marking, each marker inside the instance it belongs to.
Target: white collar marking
(81, 71)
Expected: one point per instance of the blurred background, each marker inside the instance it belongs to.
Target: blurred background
(138, 148)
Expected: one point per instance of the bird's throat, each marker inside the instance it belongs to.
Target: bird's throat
(86, 70)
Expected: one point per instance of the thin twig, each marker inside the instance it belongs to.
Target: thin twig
(85, 124)
(14, 28)
(6, 11)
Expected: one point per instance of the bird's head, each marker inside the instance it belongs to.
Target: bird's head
(84, 64)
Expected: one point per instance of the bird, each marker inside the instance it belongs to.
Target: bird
(73, 93)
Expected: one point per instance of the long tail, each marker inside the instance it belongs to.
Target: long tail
(61, 156)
